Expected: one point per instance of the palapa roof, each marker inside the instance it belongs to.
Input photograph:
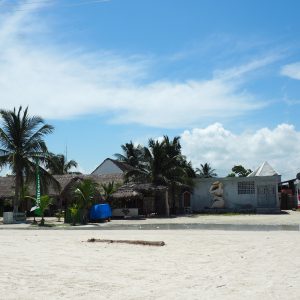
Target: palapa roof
(7, 184)
(136, 190)
(264, 170)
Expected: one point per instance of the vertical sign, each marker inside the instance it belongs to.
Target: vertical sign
(38, 184)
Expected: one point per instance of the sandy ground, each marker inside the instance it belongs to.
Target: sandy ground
(194, 264)
(286, 218)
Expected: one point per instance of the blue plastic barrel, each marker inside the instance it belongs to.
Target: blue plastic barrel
(100, 212)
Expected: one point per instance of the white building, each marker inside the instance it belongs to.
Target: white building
(111, 166)
(258, 192)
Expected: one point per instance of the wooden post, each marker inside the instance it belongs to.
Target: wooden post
(167, 204)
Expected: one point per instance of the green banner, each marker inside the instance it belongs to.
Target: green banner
(37, 188)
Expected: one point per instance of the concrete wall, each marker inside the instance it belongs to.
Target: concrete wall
(107, 167)
(264, 195)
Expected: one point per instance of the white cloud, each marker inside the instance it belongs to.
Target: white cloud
(223, 149)
(291, 70)
(253, 65)
(60, 82)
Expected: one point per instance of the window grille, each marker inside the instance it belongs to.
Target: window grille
(246, 187)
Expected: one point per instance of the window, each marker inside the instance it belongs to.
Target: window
(246, 187)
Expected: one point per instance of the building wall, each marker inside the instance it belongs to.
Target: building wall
(237, 194)
(107, 167)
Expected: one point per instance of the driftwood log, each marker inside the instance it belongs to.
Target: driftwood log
(133, 242)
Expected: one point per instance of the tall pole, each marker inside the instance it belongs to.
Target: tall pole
(37, 186)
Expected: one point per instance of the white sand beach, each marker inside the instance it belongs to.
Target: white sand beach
(194, 264)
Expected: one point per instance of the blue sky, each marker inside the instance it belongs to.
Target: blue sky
(224, 75)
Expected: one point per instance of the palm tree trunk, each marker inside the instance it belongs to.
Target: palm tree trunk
(167, 208)
(173, 198)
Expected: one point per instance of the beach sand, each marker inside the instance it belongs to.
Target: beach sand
(194, 264)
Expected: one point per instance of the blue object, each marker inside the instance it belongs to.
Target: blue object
(100, 212)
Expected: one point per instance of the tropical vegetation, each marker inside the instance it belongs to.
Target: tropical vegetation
(239, 171)
(41, 206)
(74, 209)
(58, 164)
(108, 190)
(206, 171)
(86, 193)
(45, 202)
(23, 149)
(161, 163)
(132, 154)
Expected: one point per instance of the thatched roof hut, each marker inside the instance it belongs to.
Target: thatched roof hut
(148, 198)
(7, 184)
(7, 187)
(137, 190)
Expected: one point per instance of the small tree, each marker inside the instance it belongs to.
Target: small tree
(108, 190)
(74, 211)
(206, 171)
(85, 193)
(239, 171)
(45, 202)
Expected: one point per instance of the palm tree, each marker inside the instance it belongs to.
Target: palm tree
(206, 171)
(58, 165)
(21, 146)
(132, 154)
(44, 204)
(108, 189)
(86, 192)
(162, 164)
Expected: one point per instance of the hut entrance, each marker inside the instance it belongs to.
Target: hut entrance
(187, 201)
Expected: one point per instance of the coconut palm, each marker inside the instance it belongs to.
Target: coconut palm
(22, 145)
(162, 163)
(173, 150)
(172, 147)
(108, 189)
(58, 164)
(44, 204)
(206, 171)
(132, 155)
(86, 192)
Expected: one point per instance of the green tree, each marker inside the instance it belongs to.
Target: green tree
(132, 155)
(206, 171)
(74, 212)
(58, 165)
(239, 171)
(45, 202)
(161, 163)
(173, 150)
(21, 145)
(85, 193)
(108, 189)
